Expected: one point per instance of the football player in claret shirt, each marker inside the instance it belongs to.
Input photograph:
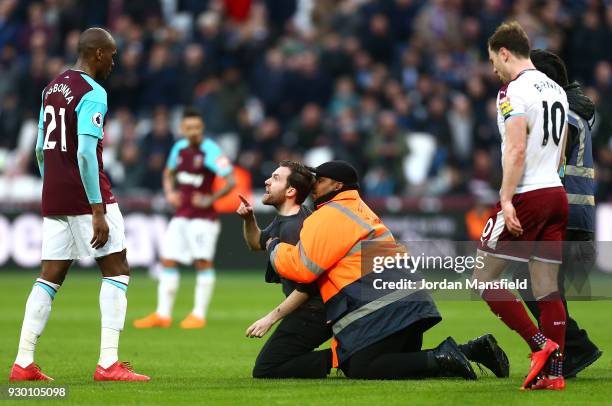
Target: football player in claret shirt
(81, 217)
(531, 217)
(191, 237)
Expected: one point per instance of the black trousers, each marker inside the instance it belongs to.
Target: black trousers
(289, 352)
(398, 356)
(578, 260)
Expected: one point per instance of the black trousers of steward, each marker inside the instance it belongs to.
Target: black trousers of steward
(398, 356)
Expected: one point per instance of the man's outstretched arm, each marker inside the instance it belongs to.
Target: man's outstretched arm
(263, 325)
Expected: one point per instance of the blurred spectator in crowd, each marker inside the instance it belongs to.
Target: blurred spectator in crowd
(377, 39)
(207, 102)
(194, 69)
(344, 98)
(126, 84)
(133, 163)
(231, 98)
(387, 148)
(461, 126)
(160, 79)
(307, 83)
(155, 148)
(10, 121)
(348, 142)
(269, 81)
(308, 130)
(9, 26)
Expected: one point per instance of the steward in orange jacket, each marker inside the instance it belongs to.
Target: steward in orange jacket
(377, 332)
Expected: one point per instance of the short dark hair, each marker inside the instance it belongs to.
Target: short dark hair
(192, 112)
(512, 37)
(551, 65)
(300, 178)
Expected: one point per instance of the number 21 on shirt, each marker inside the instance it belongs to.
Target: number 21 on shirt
(50, 110)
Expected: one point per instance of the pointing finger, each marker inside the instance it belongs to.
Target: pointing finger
(244, 200)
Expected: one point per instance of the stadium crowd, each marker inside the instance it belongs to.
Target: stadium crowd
(402, 89)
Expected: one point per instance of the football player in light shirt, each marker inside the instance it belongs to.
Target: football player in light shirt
(531, 217)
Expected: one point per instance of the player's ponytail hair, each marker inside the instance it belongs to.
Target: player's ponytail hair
(551, 65)
(300, 178)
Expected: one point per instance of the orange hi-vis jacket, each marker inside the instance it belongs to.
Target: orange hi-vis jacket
(330, 253)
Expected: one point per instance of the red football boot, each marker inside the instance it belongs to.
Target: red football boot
(538, 361)
(119, 371)
(556, 383)
(30, 373)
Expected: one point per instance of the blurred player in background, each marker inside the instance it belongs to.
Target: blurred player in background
(579, 249)
(81, 215)
(532, 119)
(289, 352)
(191, 237)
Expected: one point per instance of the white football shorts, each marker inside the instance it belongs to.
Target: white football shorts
(69, 237)
(187, 240)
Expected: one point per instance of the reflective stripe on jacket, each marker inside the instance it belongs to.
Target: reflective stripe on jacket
(579, 177)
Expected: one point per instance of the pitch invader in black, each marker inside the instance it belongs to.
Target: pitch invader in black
(579, 248)
(290, 350)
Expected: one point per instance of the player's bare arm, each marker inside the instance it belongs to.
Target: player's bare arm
(172, 195)
(205, 201)
(250, 230)
(513, 166)
(263, 325)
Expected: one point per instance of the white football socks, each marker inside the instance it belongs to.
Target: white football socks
(38, 308)
(205, 282)
(166, 291)
(113, 306)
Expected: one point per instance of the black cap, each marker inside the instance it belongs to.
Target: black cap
(340, 171)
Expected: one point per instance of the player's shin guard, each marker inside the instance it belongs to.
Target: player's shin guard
(552, 322)
(205, 283)
(166, 291)
(512, 312)
(113, 306)
(38, 308)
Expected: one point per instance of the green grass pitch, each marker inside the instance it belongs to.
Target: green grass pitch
(213, 366)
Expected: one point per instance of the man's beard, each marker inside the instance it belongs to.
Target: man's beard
(269, 200)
